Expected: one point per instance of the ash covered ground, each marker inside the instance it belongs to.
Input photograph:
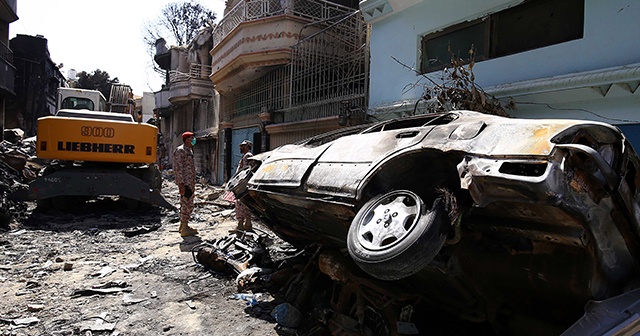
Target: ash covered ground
(101, 268)
(104, 267)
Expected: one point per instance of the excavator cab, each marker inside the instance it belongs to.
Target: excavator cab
(76, 103)
(81, 99)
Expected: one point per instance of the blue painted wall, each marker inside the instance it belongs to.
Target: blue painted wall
(237, 136)
(610, 39)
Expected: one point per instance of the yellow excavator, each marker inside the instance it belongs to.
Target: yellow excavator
(95, 148)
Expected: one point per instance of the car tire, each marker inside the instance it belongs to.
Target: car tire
(238, 183)
(394, 235)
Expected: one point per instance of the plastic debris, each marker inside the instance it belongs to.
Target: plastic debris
(35, 307)
(26, 321)
(251, 299)
(104, 272)
(287, 315)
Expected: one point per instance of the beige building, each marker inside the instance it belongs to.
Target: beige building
(7, 68)
(188, 102)
(273, 72)
(287, 70)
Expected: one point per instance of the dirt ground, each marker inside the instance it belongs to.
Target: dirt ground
(80, 273)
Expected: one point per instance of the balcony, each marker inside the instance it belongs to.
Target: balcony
(257, 35)
(8, 11)
(7, 70)
(188, 86)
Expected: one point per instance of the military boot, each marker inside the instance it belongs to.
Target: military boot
(248, 226)
(239, 226)
(186, 231)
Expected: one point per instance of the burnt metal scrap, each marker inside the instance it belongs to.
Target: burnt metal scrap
(311, 284)
(508, 223)
(257, 260)
(229, 253)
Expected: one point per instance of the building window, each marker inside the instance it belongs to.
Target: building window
(530, 25)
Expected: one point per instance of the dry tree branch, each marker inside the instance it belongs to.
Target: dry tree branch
(458, 90)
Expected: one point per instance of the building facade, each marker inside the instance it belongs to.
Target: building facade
(271, 71)
(188, 102)
(37, 81)
(7, 70)
(287, 70)
(554, 59)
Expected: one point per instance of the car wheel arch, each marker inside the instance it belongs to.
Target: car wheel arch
(422, 177)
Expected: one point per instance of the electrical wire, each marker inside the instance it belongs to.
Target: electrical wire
(579, 110)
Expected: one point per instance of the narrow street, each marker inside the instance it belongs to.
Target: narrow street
(96, 270)
(409, 167)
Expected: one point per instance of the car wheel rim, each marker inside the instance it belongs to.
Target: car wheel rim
(389, 220)
(238, 178)
(236, 181)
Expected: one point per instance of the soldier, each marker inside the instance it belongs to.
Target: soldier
(242, 212)
(184, 168)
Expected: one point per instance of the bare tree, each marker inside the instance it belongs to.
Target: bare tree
(178, 24)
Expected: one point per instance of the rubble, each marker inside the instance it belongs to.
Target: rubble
(104, 269)
(71, 267)
(131, 299)
(98, 324)
(138, 230)
(18, 166)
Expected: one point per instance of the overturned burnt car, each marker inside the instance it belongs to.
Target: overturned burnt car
(515, 222)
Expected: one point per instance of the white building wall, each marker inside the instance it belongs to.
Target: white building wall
(148, 105)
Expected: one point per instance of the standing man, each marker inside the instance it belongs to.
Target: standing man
(242, 212)
(184, 168)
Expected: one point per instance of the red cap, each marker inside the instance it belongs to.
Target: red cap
(186, 135)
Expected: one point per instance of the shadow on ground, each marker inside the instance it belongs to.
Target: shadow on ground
(102, 213)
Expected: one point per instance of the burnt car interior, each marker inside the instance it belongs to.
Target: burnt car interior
(410, 122)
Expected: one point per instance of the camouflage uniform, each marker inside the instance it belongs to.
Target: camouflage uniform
(242, 211)
(184, 168)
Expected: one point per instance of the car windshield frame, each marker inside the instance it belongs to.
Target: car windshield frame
(412, 122)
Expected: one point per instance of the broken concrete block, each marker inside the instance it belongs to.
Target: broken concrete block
(35, 307)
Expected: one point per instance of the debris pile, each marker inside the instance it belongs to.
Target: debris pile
(304, 290)
(18, 166)
(254, 258)
(265, 269)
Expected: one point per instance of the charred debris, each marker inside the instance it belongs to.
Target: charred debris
(18, 166)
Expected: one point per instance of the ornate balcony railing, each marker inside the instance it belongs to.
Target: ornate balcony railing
(177, 76)
(200, 71)
(313, 10)
(196, 71)
(328, 74)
